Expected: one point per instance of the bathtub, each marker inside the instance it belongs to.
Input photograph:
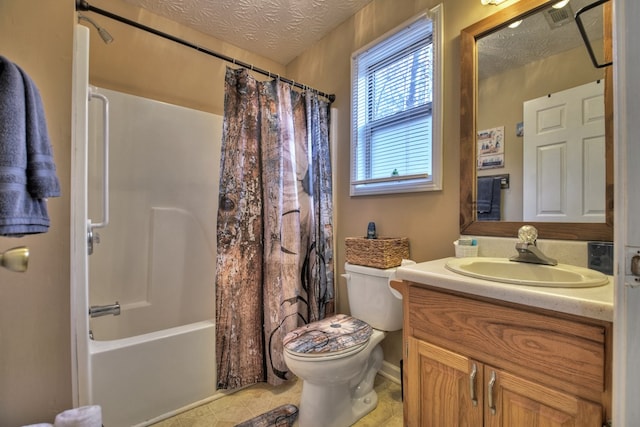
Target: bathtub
(149, 377)
(155, 257)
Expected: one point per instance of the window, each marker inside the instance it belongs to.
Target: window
(396, 143)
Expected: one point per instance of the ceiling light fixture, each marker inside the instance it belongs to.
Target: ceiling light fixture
(560, 4)
(515, 24)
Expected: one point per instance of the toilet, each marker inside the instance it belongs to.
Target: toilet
(338, 357)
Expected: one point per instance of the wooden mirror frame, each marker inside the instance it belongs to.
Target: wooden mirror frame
(468, 102)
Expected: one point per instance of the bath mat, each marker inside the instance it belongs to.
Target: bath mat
(282, 416)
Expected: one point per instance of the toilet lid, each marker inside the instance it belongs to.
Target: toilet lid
(334, 334)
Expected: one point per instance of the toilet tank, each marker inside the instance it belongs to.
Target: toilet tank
(372, 299)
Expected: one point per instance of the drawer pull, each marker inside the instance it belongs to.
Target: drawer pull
(472, 384)
(492, 383)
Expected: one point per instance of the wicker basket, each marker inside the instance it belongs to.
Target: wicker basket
(383, 252)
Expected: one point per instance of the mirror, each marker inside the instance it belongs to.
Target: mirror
(475, 41)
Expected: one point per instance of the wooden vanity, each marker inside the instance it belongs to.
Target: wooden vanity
(476, 353)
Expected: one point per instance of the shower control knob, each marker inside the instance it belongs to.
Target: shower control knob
(92, 238)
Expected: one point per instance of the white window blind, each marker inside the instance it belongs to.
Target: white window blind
(393, 112)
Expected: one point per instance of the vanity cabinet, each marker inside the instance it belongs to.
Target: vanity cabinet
(472, 361)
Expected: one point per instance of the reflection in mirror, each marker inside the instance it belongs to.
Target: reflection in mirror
(597, 52)
(503, 69)
(544, 50)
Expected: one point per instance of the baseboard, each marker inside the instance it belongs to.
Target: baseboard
(390, 371)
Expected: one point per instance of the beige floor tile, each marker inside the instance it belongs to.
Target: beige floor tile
(260, 398)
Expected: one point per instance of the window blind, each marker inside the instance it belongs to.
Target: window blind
(392, 109)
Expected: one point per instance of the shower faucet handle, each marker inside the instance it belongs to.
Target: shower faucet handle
(92, 238)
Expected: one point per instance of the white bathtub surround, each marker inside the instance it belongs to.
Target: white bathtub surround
(154, 258)
(153, 375)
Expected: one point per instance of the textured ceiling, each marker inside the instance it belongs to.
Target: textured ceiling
(536, 38)
(277, 29)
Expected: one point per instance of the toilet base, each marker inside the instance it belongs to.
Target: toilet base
(333, 406)
(338, 392)
(364, 405)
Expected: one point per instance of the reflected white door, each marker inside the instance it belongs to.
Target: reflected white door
(564, 156)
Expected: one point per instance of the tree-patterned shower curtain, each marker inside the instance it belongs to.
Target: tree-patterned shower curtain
(275, 253)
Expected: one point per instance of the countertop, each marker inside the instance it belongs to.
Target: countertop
(594, 303)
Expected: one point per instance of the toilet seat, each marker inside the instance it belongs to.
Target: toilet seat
(336, 336)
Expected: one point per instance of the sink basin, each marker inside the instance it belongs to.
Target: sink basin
(519, 273)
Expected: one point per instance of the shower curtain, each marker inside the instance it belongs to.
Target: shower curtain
(275, 254)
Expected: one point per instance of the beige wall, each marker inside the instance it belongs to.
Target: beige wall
(147, 65)
(35, 343)
(35, 365)
(430, 220)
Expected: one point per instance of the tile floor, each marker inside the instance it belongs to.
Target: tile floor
(260, 398)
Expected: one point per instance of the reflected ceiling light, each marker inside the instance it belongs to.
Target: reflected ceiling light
(15, 259)
(493, 2)
(560, 4)
(515, 24)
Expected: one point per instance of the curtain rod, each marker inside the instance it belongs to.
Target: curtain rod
(83, 5)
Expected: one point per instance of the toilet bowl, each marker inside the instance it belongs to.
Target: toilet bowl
(337, 358)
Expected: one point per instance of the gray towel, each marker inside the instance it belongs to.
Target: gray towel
(488, 198)
(27, 171)
(485, 194)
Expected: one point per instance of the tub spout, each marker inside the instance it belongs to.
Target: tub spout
(103, 310)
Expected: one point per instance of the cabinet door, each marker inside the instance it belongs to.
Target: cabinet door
(444, 388)
(514, 401)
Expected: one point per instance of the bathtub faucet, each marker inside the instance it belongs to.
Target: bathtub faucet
(103, 310)
(528, 250)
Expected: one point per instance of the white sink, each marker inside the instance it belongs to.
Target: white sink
(520, 273)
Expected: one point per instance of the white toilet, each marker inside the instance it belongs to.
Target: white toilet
(338, 357)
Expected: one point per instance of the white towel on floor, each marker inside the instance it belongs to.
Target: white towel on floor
(84, 416)
(40, 425)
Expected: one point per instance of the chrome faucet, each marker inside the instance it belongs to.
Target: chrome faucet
(527, 249)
